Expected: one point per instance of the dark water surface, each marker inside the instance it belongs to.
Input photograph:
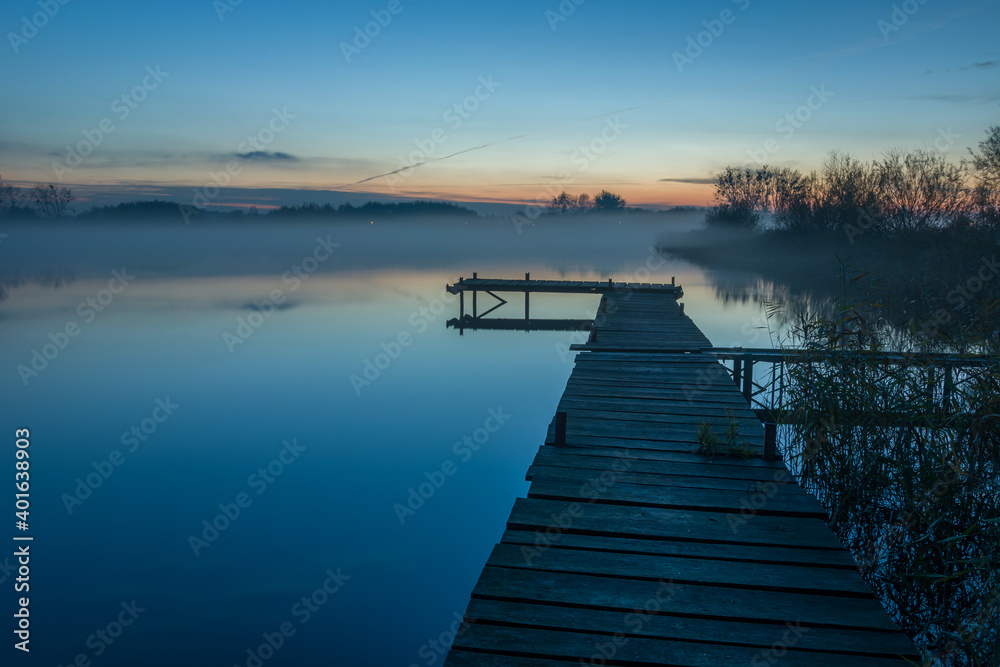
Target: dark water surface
(163, 413)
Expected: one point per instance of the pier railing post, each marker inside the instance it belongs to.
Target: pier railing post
(748, 379)
(770, 441)
(737, 370)
(560, 435)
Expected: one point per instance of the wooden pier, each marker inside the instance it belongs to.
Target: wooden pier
(632, 549)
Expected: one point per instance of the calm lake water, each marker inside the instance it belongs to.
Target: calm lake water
(163, 407)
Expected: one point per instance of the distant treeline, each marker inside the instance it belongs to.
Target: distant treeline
(51, 202)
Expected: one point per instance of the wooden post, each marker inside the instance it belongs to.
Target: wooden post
(948, 384)
(461, 305)
(673, 280)
(770, 442)
(474, 275)
(527, 276)
(527, 295)
(475, 312)
(748, 379)
(682, 309)
(737, 370)
(560, 439)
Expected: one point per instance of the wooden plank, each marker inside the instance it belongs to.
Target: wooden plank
(538, 644)
(669, 524)
(755, 576)
(784, 502)
(584, 459)
(690, 600)
(709, 551)
(656, 480)
(646, 623)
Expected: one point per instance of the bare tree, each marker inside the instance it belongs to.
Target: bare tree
(562, 204)
(919, 190)
(51, 201)
(985, 166)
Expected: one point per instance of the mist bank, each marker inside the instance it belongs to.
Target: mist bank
(53, 252)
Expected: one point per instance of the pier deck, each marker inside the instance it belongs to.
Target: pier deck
(632, 549)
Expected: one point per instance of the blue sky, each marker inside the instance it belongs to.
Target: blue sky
(605, 77)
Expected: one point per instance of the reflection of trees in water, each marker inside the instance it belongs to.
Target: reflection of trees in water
(53, 278)
(785, 304)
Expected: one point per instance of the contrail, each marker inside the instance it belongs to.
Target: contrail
(420, 164)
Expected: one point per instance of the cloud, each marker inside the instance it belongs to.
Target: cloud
(986, 64)
(961, 98)
(692, 181)
(265, 156)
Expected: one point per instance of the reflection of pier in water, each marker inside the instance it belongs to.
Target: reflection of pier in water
(478, 321)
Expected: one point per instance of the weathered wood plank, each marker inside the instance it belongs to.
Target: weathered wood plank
(780, 501)
(657, 523)
(756, 576)
(711, 551)
(719, 602)
(647, 623)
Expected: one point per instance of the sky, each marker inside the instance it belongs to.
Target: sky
(476, 101)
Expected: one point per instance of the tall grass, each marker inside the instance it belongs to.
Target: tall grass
(909, 471)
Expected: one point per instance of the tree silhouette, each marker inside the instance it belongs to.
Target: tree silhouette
(608, 201)
(10, 197)
(51, 201)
